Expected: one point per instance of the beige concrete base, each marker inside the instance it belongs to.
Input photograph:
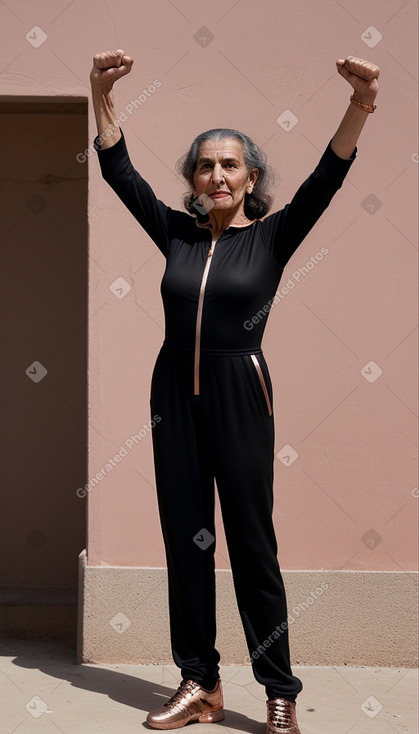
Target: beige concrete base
(334, 617)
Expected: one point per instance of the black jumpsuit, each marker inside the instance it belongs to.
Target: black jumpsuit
(212, 392)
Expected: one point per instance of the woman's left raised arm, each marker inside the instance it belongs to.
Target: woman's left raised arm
(365, 88)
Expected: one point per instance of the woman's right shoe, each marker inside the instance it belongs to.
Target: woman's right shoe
(191, 702)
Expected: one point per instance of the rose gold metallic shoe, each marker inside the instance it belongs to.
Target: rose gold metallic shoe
(282, 718)
(191, 702)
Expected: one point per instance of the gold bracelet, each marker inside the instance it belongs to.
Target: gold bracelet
(362, 106)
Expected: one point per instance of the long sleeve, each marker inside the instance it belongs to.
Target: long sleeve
(134, 191)
(284, 230)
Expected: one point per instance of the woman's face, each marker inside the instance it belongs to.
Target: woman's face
(221, 173)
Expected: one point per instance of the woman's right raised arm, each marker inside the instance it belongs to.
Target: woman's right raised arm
(114, 160)
(108, 67)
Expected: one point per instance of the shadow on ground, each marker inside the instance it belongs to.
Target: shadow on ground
(57, 659)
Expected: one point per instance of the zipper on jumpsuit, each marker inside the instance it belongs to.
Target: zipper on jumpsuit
(199, 317)
(198, 335)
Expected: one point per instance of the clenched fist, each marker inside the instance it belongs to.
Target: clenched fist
(108, 67)
(362, 75)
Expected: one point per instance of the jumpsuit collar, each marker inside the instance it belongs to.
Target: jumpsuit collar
(207, 225)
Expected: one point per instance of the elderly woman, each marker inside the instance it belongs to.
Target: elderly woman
(211, 386)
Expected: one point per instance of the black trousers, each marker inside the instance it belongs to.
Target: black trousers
(225, 433)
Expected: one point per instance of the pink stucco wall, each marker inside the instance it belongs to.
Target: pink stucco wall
(341, 342)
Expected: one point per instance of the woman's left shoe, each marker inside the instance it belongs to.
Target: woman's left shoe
(282, 718)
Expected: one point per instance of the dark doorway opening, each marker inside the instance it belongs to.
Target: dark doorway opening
(43, 338)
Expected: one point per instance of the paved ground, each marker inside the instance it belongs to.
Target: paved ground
(42, 689)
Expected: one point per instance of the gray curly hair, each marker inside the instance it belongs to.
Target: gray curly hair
(259, 201)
